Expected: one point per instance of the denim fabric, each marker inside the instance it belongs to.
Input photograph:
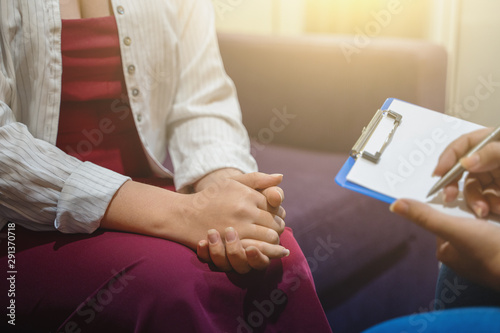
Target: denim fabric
(454, 291)
(477, 320)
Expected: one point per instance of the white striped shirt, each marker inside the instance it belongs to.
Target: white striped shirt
(179, 94)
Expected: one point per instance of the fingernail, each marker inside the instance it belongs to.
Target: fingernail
(478, 211)
(202, 243)
(277, 175)
(281, 196)
(213, 236)
(282, 213)
(251, 251)
(279, 221)
(399, 207)
(470, 162)
(286, 252)
(491, 191)
(230, 235)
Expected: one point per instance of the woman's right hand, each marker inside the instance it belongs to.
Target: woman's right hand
(482, 185)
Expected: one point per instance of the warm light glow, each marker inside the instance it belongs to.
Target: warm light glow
(407, 18)
(400, 18)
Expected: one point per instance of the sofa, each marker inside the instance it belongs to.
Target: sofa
(305, 100)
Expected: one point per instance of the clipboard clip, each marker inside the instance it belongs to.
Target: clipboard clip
(359, 147)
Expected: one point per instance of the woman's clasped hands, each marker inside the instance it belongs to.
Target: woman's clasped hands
(238, 219)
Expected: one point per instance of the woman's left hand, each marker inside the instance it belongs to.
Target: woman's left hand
(239, 255)
(229, 252)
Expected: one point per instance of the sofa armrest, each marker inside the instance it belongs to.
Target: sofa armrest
(310, 92)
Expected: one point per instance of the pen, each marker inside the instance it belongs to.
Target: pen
(458, 168)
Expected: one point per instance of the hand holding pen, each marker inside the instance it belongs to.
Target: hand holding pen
(479, 153)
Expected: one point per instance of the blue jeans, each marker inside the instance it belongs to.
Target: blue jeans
(469, 308)
(453, 291)
(464, 320)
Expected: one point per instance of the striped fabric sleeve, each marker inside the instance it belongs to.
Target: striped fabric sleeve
(42, 188)
(206, 130)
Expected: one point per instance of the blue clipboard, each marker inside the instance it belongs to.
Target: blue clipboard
(341, 178)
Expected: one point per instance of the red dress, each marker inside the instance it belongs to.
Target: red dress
(96, 123)
(122, 282)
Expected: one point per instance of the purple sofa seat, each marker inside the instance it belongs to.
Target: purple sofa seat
(340, 231)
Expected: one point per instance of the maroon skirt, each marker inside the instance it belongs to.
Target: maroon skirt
(121, 282)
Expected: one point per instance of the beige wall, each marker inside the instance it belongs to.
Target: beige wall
(397, 18)
(475, 90)
(260, 16)
(324, 16)
(469, 29)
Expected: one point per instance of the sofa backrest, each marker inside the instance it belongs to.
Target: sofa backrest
(318, 92)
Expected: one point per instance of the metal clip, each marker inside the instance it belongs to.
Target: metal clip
(359, 147)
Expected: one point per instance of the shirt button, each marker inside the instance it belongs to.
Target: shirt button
(131, 69)
(120, 10)
(135, 92)
(127, 41)
(139, 117)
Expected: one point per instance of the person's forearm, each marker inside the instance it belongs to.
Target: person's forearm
(148, 210)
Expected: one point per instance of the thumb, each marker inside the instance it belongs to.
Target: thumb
(259, 180)
(448, 227)
(484, 160)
